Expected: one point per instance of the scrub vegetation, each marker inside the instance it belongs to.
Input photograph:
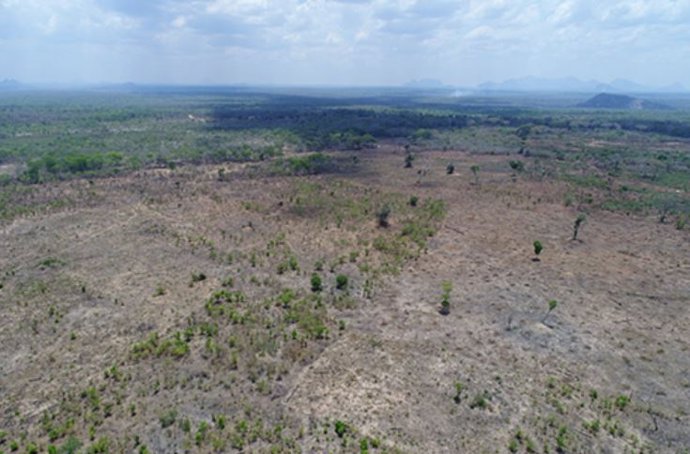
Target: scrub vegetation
(220, 270)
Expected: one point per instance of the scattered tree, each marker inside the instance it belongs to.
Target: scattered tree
(475, 171)
(413, 201)
(382, 216)
(458, 392)
(340, 428)
(341, 282)
(316, 285)
(517, 166)
(581, 218)
(445, 298)
(408, 160)
(523, 131)
(552, 305)
(450, 168)
(537, 250)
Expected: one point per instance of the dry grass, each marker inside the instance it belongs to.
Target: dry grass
(86, 281)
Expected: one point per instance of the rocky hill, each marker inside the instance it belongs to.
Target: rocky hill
(611, 101)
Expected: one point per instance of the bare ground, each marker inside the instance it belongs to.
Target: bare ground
(614, 350)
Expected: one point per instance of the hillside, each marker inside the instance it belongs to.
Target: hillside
(622, 102)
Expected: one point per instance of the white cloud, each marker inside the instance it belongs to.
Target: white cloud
(366, 41)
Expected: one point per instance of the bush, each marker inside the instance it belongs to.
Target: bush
(408, 160)
(198, 277)
(413, 201)
(340, 428)
(450, 168)
(517, 166)
(341, 282)
(458, 392)
(382, 216)
(100, 447)
(480, 401)
(445, 298)
(307, 165)
(316, 284)
(538, 247)
(168, 418)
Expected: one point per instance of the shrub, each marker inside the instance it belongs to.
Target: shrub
(316, 284)
(552, 305)
(593, 426)
(517, 166)
(71, 446)
(382, 216)
(562, 439)
(413, 201)
(445, 298)
(167, 419)
(408, 160)
(363, 446)
(340, 428)
(450, 168)
(286, 297)
(480, 401)
(307, 165)
(100, 447)
(537, 248)
(622, 402)
(341, 282)
(198, 277)
(200, 435)
(458, 392)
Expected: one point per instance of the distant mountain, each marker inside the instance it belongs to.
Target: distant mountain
(572, 84)
(425, 83)
(9, 84)
(532, 83)
(623, 102)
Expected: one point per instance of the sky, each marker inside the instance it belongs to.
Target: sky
(343, 42)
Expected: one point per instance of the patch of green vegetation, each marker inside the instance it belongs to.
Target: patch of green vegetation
(168, 418)
(341, 282)
(51, 262)
(309, 164)
(316, 284)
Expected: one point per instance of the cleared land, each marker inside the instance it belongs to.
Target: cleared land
(250, 306)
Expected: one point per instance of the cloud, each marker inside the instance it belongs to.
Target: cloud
(357, 41)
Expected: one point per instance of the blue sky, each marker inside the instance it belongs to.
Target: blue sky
(343, 42)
